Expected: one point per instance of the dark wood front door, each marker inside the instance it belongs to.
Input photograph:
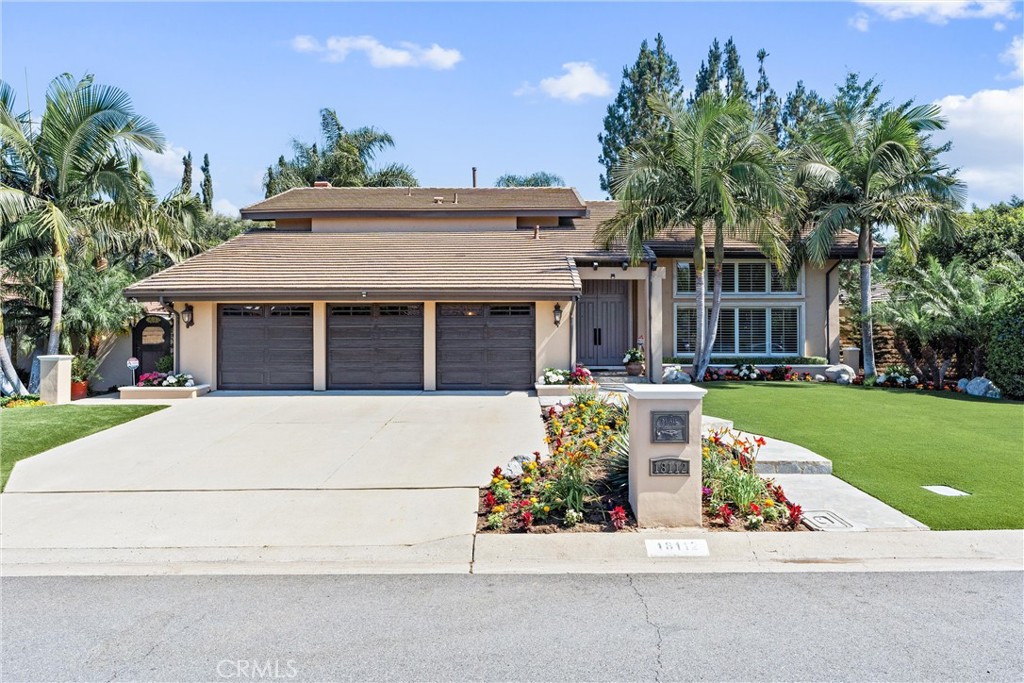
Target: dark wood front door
(151, 340)
(602, 321)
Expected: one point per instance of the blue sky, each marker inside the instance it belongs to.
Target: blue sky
(504, 87)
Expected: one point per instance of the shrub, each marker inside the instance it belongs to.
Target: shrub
(24, 403)
(1006, 349)
(6, 400)
(83, 367)
(165, 363)
(755, 360)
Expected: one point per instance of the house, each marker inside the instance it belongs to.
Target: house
(463, 288)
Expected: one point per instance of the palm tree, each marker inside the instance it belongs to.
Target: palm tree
(861, 171)
(538, 179)
(717, 168)
(68, 169)
(345, 159)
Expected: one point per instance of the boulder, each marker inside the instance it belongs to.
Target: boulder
(832, 372)
(843, 378)
(982, 386)
(674, 375)
(820, 378)
(962, 383)
(513, 469)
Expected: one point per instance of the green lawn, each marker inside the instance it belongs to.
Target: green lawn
(25, 432)
(891, 442)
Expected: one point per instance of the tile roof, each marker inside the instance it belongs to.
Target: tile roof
(563, 201)
(307, 265)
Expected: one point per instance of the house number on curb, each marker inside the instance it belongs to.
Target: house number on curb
(670, 427)
(670, 467)
(677, 548)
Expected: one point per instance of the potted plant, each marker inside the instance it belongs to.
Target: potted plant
(82, 368)
(634, 361)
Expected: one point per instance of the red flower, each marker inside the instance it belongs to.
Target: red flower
(489, 500)
(726, 513)
(755, 509)
(759, 441)
(496, 472)
(796, 514)
(527, 519)
(618, 516)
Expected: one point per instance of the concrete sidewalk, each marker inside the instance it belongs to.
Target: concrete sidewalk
(563, 553)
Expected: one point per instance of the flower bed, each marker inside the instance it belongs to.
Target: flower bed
(583, 485)
(22, 402)
(164, 379)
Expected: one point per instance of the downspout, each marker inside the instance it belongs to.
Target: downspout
(828, 316)
(572, 334)
(169, 307)
(650, 319)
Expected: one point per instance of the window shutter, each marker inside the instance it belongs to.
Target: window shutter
(728, 278)
(785, 331)
(753, 330)
(725, 340)
(686, 330)
(752, 277)
(684, 277)
(780, 283)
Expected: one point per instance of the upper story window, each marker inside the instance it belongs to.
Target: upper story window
(738, 278)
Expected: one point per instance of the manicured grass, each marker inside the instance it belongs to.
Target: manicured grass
(891, 442)
(24, 432)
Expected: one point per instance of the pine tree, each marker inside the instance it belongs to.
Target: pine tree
(709, 73)
(801, 106)
(732, 74)
(186, 174)
(629, 117)
(766, 100)
(207, 183)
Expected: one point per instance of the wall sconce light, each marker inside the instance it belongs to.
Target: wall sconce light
(595, 265)
(186, 316)
(558, 315)
(625, 265)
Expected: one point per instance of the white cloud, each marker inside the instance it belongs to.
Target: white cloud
(999, 26)
(860, 21)
(405, 54)
(1014, 56)
(165, 167)
(940, 11)
(225, 208)
(579, 81)
(988, 142)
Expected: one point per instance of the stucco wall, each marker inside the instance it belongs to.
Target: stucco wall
(418, 224)
(113, 368)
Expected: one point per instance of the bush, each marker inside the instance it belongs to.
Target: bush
(755, 360)
(1006, 350)
(4, 400)
(165, 364)
(83, 367)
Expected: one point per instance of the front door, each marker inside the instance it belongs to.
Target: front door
(151, 341)
(602, 321)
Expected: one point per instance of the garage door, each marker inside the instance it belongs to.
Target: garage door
(377, 346)
(265, 346)
(485, 346)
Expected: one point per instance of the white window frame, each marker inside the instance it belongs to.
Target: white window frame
(796, 294)
(801, 329)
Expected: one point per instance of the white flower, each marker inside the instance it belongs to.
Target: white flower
(190, 383)
(913, 379)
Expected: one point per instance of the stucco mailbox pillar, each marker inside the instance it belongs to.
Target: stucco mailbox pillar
(665, 454)
(55, 379)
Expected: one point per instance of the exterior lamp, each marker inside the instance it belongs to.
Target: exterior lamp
(625, 265)
(595, 265)
(558, 315)
(186, 316)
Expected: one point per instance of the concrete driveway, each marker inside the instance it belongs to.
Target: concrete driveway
(230, 470)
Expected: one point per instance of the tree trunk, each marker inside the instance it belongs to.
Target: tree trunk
(699, 264)
(712, 331)
(56, 313)
(867, 333)
(904, 350)
(7, 366)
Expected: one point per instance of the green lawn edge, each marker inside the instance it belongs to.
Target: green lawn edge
(25, 432)
(890, 442)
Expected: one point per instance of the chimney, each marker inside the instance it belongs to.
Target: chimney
(321, 183)
(536, 232)
(456, 197)
(474, 176)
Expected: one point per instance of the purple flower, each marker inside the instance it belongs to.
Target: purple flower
(706, 492)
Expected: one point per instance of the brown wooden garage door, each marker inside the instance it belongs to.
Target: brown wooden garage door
(378, 346)
(265, 346)
(485, 346)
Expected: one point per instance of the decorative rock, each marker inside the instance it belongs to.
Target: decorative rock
(513, 469)
(843, 378)
(820, 378)
(832, 372)
(962, 383)
(673, 374)
(982, 386)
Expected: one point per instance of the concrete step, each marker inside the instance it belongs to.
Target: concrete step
(776, 456)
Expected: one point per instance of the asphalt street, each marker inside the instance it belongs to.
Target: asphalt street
(717, 627)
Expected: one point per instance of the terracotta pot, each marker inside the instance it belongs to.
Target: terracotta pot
(79, 390)
(634, 369)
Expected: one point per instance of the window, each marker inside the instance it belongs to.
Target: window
(744, 331)
(752, 331)
(750, 277)
(684, 278)
(510, 309)
(242, 311)
(781, 283)
(400, 309)
(291, 311)
(739, 277)
(348, 311)
(785, 332)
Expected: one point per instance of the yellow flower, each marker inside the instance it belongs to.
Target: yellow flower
(495, 480)
(547, 509)
(533, 500)
(768, 503)
(506, 484)
(527, 480)
(735, 463)
(499, 508)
